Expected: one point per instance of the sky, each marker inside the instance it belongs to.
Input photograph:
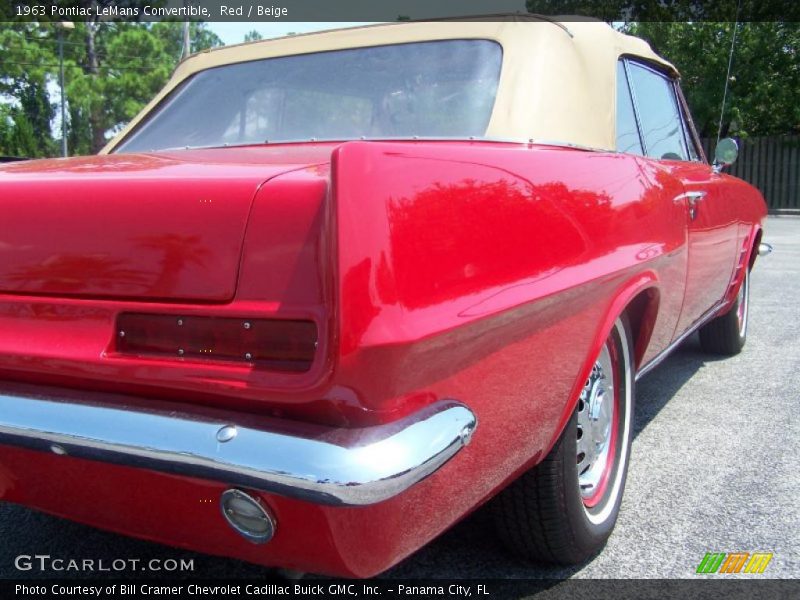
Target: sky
(233, 33)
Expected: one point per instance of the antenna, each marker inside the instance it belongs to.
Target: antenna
(728, 74)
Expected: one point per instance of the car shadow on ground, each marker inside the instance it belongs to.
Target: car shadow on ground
(468, 550)
(655, 389)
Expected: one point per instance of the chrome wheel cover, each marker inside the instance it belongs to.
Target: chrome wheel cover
(596, 414)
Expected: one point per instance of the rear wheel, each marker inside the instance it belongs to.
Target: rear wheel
(564, 509)
(727, 334)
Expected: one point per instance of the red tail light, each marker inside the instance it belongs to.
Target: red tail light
(278, 344)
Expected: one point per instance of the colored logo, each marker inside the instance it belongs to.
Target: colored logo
(734, 562)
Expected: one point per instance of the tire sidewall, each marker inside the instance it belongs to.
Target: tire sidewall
(587, 532)
(742, 331)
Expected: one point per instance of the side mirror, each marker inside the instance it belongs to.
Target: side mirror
(725, 154)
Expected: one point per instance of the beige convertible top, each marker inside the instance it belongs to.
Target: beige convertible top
(557, 82)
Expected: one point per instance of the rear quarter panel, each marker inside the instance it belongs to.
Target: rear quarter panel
(487, 273)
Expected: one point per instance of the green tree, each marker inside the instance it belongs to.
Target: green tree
(22, 139)
(17, 136)
(765, 73)
(253, 36)
(670, 11)
(6, 127)
(112, 69)
(696, 38)
(25, 66)
(171, 34)
(38, 112)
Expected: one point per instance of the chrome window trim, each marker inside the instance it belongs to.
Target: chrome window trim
(478, 139)
(691, 130)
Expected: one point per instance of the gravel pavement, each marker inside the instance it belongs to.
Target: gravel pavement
(714, 467)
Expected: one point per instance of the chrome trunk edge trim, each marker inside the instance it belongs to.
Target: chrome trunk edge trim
(321, 465)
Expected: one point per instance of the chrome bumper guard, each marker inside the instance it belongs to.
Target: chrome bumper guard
(333, 466)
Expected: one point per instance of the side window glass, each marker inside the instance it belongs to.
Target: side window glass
(662, 128)
(627, 130)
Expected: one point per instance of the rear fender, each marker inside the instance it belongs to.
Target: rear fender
(643, 282)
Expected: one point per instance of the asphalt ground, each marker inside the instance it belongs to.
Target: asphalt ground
(714, 468)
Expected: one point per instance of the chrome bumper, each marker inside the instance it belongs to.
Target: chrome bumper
(320, 465)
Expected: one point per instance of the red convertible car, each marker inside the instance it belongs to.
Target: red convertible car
(328, 294)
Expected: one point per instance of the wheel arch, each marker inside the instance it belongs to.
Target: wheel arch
(638, 300)
(754, 247)
(641, 311)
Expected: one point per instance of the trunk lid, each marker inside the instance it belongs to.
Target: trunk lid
(166, 226)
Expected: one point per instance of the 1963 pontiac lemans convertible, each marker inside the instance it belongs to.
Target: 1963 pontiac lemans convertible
(328, 294)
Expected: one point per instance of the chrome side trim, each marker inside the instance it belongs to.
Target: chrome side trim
(321, 465)
(654, 362)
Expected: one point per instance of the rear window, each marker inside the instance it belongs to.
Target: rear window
(435, 89)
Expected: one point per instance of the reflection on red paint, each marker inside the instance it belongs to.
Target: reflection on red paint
(479, 271)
